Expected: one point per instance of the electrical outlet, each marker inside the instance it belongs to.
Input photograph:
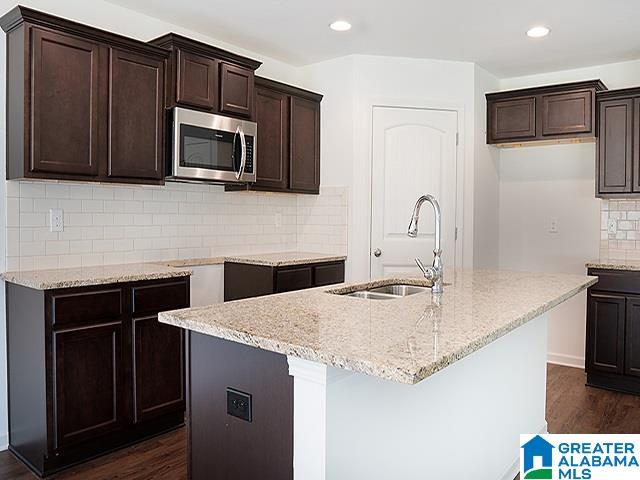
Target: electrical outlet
(553, 226)
(278, 220)
(612, 226)
(56, 220)
(239, 404)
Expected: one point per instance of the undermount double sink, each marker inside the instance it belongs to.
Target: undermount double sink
(387, 292)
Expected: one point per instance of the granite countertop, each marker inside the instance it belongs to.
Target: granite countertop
(280, 259)
(405, 339)
(193, 262)
(284, 259)
(86, 276)
(614, 264)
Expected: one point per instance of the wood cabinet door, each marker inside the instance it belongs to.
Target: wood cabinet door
(293, 278)
(88, 393)
(567, 113)
(615, 146)
(304, 167)
(636, 145)
(197, 81)
(67, 79)
(511, 120)
(605, 332)
(136, 117)
(158, 368)
(236, 90)
(632, 338)
(272, 116)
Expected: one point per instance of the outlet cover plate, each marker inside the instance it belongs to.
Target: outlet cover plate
(239, 404)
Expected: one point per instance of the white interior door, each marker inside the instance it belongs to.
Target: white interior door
(414, 153)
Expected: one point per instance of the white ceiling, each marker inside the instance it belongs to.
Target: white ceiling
(488, 32)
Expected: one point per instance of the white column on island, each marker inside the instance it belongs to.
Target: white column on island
(309, 418)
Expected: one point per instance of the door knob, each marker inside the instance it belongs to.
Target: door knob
(377, 252)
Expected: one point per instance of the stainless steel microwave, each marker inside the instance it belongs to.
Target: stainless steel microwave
(211, 148)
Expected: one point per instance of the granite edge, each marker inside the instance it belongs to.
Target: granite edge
(613, 265)
(285, 263)
(100, 280)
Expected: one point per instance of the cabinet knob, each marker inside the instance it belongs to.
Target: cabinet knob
(377, 252)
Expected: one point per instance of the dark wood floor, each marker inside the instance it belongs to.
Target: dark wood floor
(571, 408)
(160, 458)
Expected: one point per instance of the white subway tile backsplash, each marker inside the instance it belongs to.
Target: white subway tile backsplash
(107, 224)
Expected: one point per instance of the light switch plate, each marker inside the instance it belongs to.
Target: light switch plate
(56, 220)
(612, 226)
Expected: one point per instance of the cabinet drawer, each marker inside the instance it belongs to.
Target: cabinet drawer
(160, 297)
(616, 281)
(86, 307)
(294, 278)
(328, 273)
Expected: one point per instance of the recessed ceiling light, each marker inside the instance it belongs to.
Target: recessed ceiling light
(538, 31)
(340, 26)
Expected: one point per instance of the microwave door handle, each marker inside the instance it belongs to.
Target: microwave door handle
(243, 158)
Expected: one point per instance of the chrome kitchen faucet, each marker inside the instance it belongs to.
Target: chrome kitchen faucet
(435, 271)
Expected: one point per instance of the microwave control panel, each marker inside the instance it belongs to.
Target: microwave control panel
(248, 166)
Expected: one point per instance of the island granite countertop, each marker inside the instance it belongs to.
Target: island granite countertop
(406, 339)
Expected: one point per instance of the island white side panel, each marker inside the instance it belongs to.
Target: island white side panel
(463, 422)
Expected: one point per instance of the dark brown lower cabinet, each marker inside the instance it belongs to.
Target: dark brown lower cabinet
(242, 280)
(613, 331)
(91, 369)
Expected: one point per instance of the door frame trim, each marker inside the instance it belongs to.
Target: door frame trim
(364, 169)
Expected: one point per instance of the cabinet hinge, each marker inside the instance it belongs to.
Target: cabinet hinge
(457, 138)
(456, 234)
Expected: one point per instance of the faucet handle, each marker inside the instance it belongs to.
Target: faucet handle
(422, 267)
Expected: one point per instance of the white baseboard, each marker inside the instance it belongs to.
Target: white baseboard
(565, 360)
(514, 470)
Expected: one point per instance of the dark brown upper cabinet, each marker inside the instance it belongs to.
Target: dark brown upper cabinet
(136, 116)
(82, 103)
(617, 154)
(236, 90)
(207, 78)
(196, 82)
(304, 173)
(513, 118)
(272, 115)
(66, 80)
(550, 114)
(288, 138)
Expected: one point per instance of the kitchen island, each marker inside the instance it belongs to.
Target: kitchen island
(414, 387)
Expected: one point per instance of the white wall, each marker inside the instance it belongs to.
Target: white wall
(351, 86)
(544, 183)
(486, 183)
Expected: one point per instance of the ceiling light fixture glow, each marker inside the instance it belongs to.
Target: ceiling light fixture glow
(538, 31)
(340, 26)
